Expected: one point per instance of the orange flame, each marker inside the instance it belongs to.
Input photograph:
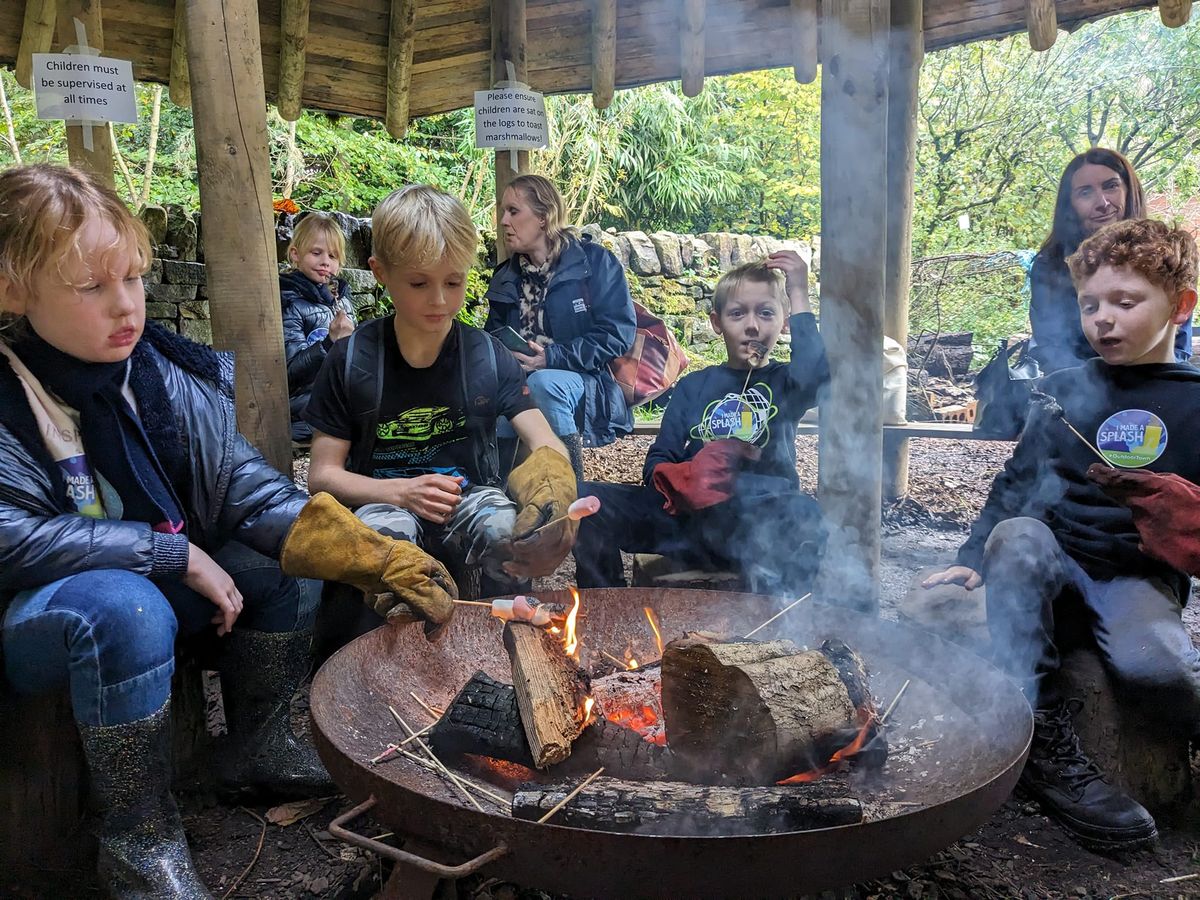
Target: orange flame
(632, 664)
(570, 641)
(866, 717)
(653, 620)
(587, 709)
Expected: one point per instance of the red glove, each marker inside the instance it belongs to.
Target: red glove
(704, 480)
(1166, 512)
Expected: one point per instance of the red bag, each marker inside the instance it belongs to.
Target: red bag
(653, 363)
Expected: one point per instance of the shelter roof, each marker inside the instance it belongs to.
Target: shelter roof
(346, 63)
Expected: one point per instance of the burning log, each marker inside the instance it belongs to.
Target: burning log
(483, 719)
(633, 698)
(755, 712)
(676, 808)
(551, 690)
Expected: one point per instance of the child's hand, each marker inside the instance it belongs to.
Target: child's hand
(341, 326)
(432, 497)
(962, 575)
(209, 580)
(795, 269)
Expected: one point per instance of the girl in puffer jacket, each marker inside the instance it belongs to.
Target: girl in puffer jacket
(316, 306)
(131, 510)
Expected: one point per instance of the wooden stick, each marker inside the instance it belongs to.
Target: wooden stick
(1086, 442)
(604, 51)
(257, 852)
(1179, 878)
(611, 658)
(433, 758)
(432, 710)
(483, 792)
(777, 615)
(486, 603)
(395, 748)
(571, 796)
(887, 712)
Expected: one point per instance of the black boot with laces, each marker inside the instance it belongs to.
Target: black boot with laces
(1072, 790)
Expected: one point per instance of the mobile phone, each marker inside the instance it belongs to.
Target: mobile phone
(509, 338)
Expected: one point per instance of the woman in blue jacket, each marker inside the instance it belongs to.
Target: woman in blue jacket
(568, 298)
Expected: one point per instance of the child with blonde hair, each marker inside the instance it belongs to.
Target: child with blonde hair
(131, 510)
(316, 307)
(404, 413)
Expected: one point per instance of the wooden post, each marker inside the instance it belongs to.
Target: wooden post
(399, 67)
(604, 52)
(907, 47)
(1042, 21)
(854, 100)
(225, 59)
(98, 159)
(181, 86)
(1175, 12)
(293, 38)
(37, 35)
(804, 40)
(691, 47)
(508, 46)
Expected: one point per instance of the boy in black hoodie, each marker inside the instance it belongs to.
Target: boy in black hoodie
(1064, 561)
(316, 308)
(721, 489)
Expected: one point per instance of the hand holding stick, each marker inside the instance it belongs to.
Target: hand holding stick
(580, 509)
(1051, 407)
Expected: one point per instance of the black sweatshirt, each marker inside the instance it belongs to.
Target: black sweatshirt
(709, 405)
(1139, 417)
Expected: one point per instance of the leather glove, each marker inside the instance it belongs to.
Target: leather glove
(543, 487)
(704, 480)
(400, 581)
(1166, 512)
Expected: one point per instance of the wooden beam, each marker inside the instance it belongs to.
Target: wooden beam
(691, 47)
(401, 31)
(854, 99)
(906, 50)
(37, 35)
(804, 40)
(1042, 21)
(509, 31)
(181, 87)
(604, 52)
(230, 104)
(1175, 12)
(293, 37)
(99, 158)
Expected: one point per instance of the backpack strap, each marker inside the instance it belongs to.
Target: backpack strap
(363, 378)
(480, 380)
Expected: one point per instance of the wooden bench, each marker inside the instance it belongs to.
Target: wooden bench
(957, 431)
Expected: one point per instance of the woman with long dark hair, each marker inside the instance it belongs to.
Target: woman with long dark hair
(568, 299)
(1097, 187)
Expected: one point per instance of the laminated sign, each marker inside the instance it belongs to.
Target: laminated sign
(79, 88)
(510, 118)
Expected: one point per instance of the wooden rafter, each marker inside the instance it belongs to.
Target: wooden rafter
(804, 40)
(604, 52)
(293, 39)
(181, 84)
(691, 47)
(399, 68)
(1041, 18)
(37, 34)
(1175, 12)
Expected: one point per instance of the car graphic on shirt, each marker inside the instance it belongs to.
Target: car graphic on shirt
(421, 423)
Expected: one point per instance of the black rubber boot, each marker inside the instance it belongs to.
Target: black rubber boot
(1072, 790)
(574, 445)
(259, 674)
(143, 851)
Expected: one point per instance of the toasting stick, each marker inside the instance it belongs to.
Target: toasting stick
(522, 609)
(580, 509)
(758, 352)
(1054, 411)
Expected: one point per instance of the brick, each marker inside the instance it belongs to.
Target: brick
(194, 309)
(197, 329)
(170, 293)
(161, 311)
(184, 272)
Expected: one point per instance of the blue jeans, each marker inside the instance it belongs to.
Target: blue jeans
(109, 635)
(557, 393)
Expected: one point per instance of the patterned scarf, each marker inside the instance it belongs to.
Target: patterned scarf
(533, 297)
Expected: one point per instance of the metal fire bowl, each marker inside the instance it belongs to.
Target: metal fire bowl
(962, 731)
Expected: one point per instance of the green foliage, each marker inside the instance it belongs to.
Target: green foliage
(474, 310)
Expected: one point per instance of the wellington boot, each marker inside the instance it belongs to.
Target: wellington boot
(143, 852)
(259, 674)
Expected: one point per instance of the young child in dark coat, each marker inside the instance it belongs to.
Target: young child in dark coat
(316, 307)
(720, 486)
(1064, 560)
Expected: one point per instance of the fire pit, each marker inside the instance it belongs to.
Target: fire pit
(959, 739)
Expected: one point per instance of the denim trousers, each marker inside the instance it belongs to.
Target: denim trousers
(557, 393)
(108, 635)
(1040, 601)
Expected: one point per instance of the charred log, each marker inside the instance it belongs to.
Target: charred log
(633, 699)
(751, 713)
(550, 689)
(656, 807)
(621, 751)
(483, 719)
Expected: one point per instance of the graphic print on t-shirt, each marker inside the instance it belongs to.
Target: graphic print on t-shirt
(744, 416)
(407, 445)
(1132, 438)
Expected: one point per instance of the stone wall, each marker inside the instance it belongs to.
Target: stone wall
(672, 275)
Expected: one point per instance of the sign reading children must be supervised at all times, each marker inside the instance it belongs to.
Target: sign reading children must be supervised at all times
(79, 88)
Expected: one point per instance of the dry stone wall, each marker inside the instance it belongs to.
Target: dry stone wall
(671, 274)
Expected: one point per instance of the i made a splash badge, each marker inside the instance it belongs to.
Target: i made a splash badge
(743, 416)
(1132, 438)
